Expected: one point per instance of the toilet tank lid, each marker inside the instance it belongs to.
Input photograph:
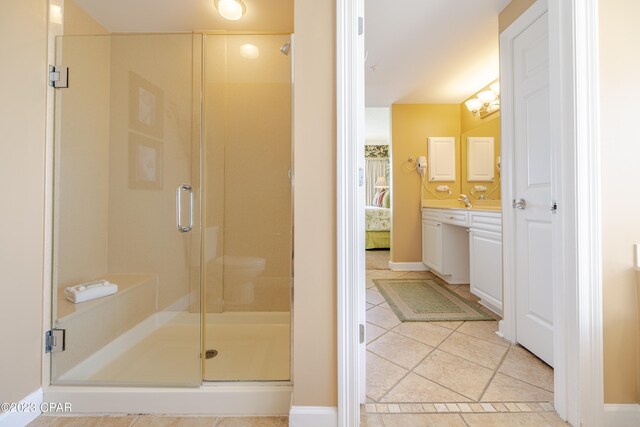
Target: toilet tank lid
(241, 261)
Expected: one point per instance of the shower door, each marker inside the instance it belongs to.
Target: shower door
(247, 215)
(127, 211)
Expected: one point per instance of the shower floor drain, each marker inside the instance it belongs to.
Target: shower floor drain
(210, 354)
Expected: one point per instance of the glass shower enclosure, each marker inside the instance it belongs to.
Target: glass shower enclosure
(172, 205)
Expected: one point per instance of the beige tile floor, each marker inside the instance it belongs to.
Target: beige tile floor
(418, 374)
(158, 421)
(523, 419)
(449, 373)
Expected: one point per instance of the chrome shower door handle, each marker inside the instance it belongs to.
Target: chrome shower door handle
(181, 228)
(519, 204)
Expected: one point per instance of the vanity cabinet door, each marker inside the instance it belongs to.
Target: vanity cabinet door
(485, 252)
(432, 244)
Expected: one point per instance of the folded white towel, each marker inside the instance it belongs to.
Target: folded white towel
(89, 291)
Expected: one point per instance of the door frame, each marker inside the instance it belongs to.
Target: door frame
(350, 248)
(578, 378)
(577, 250)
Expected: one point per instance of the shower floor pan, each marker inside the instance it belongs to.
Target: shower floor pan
(164, 350)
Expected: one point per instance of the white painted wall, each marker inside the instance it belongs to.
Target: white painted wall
(377, 125)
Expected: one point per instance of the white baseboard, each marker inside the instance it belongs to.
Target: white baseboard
(407, 266)
(31, 404)
(313, 416)
(215, 399)
(621, 415)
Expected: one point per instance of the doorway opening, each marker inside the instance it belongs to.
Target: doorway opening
(568, 349)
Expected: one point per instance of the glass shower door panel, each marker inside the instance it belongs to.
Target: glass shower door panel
(127, 211)
(248, 221)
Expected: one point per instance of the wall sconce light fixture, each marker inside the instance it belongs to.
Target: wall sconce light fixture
(485, 102)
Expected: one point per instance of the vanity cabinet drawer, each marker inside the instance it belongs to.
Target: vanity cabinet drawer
(432, 214)
(455, 218)
(489, 221)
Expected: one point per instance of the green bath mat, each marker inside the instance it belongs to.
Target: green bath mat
(419, 300)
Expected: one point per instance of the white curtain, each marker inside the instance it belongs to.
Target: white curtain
(374, 168)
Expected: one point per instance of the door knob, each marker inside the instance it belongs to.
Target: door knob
(519, 204)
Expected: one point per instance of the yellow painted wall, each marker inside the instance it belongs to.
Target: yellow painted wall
(512, 12)
(489, 126)
(619, 70)
(471, 125)
(23, 43)
(314, 316)
(411, 125)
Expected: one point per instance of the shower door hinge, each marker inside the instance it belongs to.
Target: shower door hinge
(360, 25)
(58, 76)
(54, 341)
(361, 333)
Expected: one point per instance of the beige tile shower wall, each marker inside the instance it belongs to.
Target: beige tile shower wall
(248, 125)
(150, 155)
(82, 154)
(257, 164)
(215, 134)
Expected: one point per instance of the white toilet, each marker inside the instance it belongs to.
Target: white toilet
(239, 272)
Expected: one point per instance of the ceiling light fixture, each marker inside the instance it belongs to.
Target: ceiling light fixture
(230, 9)
(485, 102)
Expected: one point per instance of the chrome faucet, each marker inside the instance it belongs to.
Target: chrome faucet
(464, 199)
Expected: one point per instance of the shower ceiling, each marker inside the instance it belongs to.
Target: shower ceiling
(429, 51)
(187, 15)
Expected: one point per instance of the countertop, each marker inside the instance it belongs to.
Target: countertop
(477, 205)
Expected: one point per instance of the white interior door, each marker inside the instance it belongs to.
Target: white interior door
(532, 190)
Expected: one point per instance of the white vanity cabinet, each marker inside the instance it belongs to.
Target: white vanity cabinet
(485, 255)
(432, 244)
(465, 246)
(445, 247)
